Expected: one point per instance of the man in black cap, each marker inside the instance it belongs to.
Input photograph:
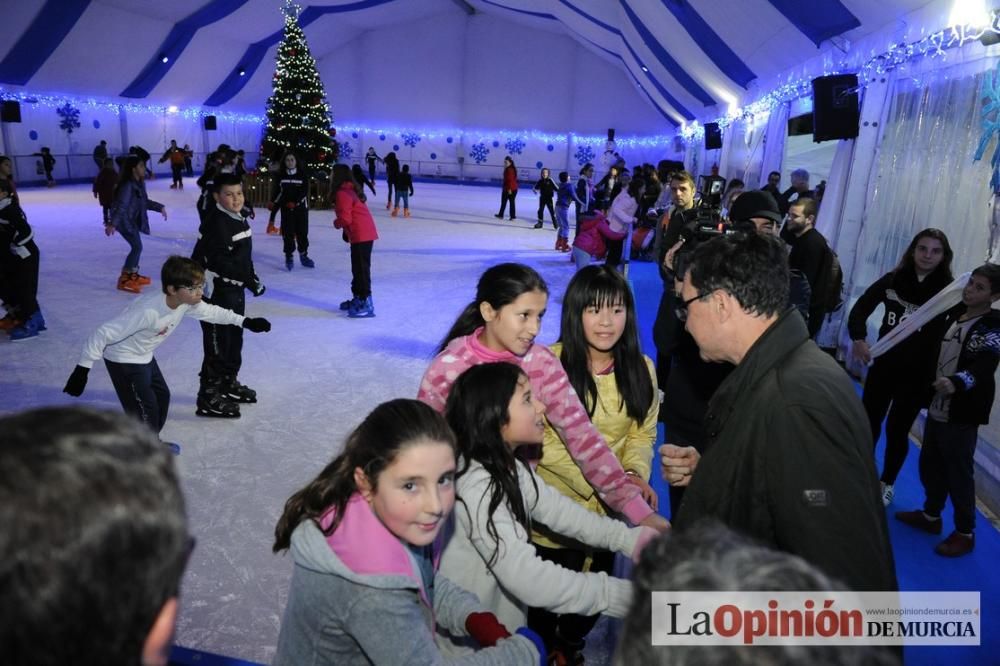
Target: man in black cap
(760, 208)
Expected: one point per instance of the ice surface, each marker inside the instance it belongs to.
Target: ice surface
(317, 373)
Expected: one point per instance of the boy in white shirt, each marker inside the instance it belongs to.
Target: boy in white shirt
(127, 342)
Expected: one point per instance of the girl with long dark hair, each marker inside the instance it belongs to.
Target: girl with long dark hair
(508, 188)
(599, 349)
(501, 325)
(898, 382)
(493, 412)
(366, 536)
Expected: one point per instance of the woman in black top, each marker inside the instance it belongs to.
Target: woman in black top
(898, 382)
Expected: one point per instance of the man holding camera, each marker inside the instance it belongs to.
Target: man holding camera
(788, 455)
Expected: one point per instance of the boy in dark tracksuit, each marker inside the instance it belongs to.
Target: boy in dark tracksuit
(224, 249)
(290, 195)
(963, 398)
(213, 167)
(546, 190)
(18, 269)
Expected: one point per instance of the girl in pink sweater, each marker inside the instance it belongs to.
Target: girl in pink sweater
(501, 325)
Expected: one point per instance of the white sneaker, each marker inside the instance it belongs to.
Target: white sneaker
(887, 494)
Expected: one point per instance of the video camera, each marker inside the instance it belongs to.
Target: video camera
(704, 221)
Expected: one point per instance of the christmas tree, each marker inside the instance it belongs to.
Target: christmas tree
(298, 118)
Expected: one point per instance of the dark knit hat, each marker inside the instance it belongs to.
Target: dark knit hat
(755, 203)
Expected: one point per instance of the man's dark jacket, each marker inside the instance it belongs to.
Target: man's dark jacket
(789, 460)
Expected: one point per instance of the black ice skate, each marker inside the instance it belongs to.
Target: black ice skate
(237, 392)
(211, 402)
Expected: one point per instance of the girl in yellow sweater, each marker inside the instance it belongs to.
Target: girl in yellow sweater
(599, 349)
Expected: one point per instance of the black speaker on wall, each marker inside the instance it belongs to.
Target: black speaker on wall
(836, 110)
(210, 122)
(713, 136)
(10, 111)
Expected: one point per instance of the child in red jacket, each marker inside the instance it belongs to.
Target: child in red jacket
(356, 220)
(590, 243)
(104, 187)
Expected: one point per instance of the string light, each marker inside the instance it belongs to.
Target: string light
(191, 113)
(896, 54)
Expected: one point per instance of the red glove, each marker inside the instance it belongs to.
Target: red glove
(486, 629)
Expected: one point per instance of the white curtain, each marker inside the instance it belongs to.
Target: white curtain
(774, 142)
(925, 176)
(829, 217)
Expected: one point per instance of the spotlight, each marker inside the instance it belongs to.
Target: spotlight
(164, 59)
(644, 68)
(243, 72)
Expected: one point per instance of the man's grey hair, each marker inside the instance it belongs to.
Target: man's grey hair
(801, 174)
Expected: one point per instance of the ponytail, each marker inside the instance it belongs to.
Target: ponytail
(500, 285)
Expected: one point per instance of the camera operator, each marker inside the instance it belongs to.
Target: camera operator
(687, 381)
(667, 234)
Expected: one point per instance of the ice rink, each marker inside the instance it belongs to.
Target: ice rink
(317, 373)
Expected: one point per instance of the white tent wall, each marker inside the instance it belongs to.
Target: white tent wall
(72, 151)
(481, 75)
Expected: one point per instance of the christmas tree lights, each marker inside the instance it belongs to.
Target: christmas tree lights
(298, 117)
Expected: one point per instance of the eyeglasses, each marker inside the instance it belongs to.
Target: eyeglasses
(195, 287)
(681, 309)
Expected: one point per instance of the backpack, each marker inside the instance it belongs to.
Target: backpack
(834, 298)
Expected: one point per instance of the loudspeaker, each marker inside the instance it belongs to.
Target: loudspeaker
(210, 122)
(836, 113)
(611, 134)
(10, 111)
(713, 136)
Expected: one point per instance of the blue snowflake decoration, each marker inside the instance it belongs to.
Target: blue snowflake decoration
(550, 147)
(479, 152)
(449, 139)
(584, 154)
(538, 165)
(514, 145)
(346, 150)
(990, 95)
(434, 156)
(69, 117)
(411, 139)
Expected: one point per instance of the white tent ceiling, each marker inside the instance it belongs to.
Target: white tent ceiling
(685, 55)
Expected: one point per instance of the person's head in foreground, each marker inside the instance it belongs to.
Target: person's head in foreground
(94, 540)
(712, 558)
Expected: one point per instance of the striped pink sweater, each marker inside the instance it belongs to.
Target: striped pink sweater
(563, 409)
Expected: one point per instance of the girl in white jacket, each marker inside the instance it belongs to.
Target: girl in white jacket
(493, 413)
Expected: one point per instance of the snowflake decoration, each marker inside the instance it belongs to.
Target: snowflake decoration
(514, 145)
(990, 96)
(69, 117)
(410, 139)
(346, 150)
(479, 152)
(584, 154)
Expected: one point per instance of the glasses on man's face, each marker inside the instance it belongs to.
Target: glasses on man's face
(681, 309)
(195, 287)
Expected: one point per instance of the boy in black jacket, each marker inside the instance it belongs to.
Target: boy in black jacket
(963, 397)
(18, 269)
(223, 249)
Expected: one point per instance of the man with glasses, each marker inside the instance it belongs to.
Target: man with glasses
(788, 456)
(94, 540)
(127, 342)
